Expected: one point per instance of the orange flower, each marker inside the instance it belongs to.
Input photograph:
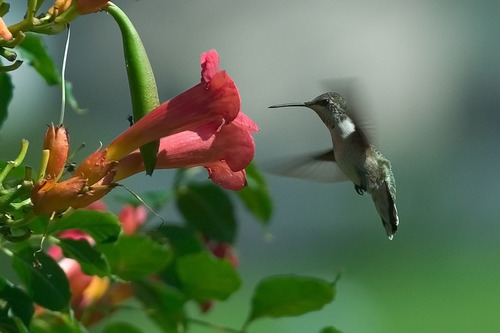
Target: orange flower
(4, 31)
(77, 7)
(57, 142)
(48, 195)
(90, 6)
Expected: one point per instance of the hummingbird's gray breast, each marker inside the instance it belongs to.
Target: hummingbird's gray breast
(351, 151)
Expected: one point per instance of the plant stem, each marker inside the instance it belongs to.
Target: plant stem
(220, 328)
(43, 165)
(12, 164)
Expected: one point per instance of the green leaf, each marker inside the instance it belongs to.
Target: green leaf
(208, 208)
(8, 325)
(330, 329)
(120, 327)
(183, 240)
(205, 277)
(56, 322)
(45, 280)
(285, 296)
(256, 195)
(17, 172)
(164, 304)
(39, 224)
(33, 50)
(91, 261)
(16, 303)
(103, 227)
(6, 89)
(133, 257)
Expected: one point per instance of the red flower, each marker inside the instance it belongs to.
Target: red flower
(73, 8)
(225, 153)
(132, 218)
(89, 290)
(201, 127)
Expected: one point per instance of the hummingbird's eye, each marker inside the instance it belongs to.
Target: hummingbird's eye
(323, 102)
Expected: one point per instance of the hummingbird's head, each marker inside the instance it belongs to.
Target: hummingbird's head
(330, 107)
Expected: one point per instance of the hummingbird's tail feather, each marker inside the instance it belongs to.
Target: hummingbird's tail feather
(386, 206)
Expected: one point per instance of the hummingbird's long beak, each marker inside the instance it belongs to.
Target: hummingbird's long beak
(287, 105)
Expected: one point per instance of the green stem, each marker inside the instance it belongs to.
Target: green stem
(43, 165)
(7, 54)
(31, 11)
(7, 251)
(20, 191)
(12, 164)
(26, 220)
(15, 41)
(141, 79)
(219, 328)
(11, 67)
(19, 27)
(6, 233)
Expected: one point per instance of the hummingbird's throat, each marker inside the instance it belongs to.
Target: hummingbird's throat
(345, 127)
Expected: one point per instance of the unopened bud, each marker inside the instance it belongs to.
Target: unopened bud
(57, 142)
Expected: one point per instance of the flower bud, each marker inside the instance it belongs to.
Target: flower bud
(57, 142)
(90, 6)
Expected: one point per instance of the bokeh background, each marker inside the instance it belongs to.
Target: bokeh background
(430, 75)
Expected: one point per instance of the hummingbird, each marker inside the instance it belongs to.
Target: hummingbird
(354, 154)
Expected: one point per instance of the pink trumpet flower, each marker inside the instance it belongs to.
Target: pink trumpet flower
(225, 154)
(202, 126)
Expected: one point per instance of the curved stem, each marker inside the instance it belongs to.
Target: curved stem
(12, 164)
(43, 165)
(219, 328)
(63, 78)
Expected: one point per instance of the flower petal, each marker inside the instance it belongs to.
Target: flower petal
(48, 196)
(57, 142)
(209, 65)
(202, 104)
(132, 218)
(221, 174)
(232, 144)
(244, 121)
(95, 167)
(90, 6)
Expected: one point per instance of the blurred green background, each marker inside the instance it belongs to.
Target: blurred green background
(430, 75)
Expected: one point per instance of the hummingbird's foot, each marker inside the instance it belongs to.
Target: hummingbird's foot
(359, 189)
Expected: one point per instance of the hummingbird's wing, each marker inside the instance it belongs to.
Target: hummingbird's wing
(386, 206)
(320, 167)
